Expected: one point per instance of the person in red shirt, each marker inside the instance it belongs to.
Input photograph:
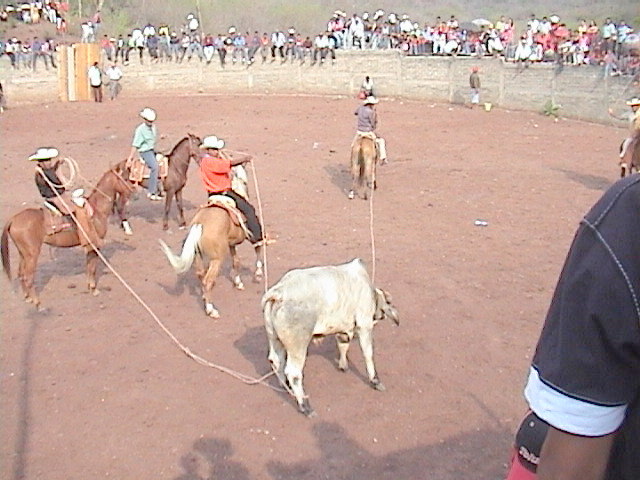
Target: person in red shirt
(215, 170)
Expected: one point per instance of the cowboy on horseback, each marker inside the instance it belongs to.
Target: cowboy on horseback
(56, 200)
(626, 150)
(215, 169)
(144, 143)
(367, 123)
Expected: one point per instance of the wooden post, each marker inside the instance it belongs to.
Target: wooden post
(63, 71)
(73, 71)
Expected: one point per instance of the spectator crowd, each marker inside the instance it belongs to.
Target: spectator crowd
(613, 45)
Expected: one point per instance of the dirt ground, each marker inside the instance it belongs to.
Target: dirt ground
(94, 388)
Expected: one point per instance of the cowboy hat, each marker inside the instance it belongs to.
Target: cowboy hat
(212, 142)
(370, 100)
(148, 114)
(633, 101)
(44, 153)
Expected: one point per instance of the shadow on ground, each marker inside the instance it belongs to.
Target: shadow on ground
(341, 458)
(592, 182)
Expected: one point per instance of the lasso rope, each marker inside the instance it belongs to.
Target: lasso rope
(242, 377)
(371, 235)
(73, 171)
(260, 218)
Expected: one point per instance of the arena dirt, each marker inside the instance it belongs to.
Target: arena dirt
(93, 387)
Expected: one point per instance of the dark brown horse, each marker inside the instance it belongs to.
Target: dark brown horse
(183, 151)
(364, 157)
(630, 163)
(28, 231)
(213, 234)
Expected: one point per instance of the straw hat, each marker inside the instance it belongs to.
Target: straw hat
(633, 101)
(148, 114)
(44, 153)
(212, 142)
(370, 100)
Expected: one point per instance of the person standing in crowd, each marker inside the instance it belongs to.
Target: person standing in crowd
(215, 169)
(114, 74)
(95, 80)
(584, 381)
(144, 144)
(474, 83)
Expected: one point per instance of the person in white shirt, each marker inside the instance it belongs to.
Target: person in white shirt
(95, 80)
(114, 74)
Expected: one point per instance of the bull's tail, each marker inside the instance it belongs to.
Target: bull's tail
(271, 303)
(183, 262)
(4, 248)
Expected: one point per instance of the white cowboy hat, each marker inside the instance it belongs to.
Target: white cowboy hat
(232, 30)
(148, 114)
(370, 100)
(554, 18)
(633, 101)
(212, 142)
(44, 153)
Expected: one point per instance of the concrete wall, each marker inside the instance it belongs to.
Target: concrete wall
(583, 92)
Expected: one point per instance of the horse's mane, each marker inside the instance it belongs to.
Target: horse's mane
(175, 147)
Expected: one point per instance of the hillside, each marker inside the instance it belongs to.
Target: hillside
(119, 16)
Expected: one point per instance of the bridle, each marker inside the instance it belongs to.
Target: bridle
(194, 153)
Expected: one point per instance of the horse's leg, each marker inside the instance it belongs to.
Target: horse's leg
(235, 268)
(28, 262)
(92, 264)
(259, 273)
(355, 171)
(208, 282)
(167, 207)
(181, 221)
(120, 206)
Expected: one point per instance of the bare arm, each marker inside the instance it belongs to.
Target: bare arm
(132, 153)
(241, 159)
(572, 457)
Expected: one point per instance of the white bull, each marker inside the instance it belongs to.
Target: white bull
(329, 300)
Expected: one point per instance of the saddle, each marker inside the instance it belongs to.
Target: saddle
(228, 204)
(138, 170)
(55, 221)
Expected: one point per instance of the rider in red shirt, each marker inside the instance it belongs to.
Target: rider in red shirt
(215, 169)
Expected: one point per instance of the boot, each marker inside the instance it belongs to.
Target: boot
(87, 233)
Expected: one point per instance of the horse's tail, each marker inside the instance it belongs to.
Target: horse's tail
(183, 262)
(357, 161)
(4, 248)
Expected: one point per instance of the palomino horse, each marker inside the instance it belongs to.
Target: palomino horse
(176, 179)
(363, 166)
(630, 163)
(211, 236)
(28, 231)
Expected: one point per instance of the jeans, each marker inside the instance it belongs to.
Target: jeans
(149, 158)
(253, 225)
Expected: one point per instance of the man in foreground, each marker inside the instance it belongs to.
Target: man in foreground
(584, 380)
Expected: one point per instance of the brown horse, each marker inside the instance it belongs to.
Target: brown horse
(27, 229)
(630, 163)
(211, 236)
(364, 157)
(179, 157)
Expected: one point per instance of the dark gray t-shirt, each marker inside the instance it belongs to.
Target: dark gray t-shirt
(367, 118)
